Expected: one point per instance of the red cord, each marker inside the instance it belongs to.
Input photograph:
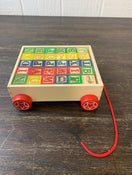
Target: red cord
(116, 133)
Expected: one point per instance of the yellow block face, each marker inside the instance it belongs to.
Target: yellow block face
(34, 80)
(50, 56)
(38, 57)
(61, 56)
(72, 56)
(26, 56)
(83, 56)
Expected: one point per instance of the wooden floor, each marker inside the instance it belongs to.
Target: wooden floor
(43, 141)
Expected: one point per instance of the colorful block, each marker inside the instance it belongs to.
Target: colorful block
(39, 57)
(61, 79)
(50, 57)
(35, 71)
(61, 63)
(83, 56)
(48, 80)
(71, 50)
(25, 63)
(50, 63)
(26, 56)
(61, 71)
(20, 79)
(60, 50)
(40, 50)
(72, 56)
(37, 63)
(22, 71)
(34, 79)
(73, 63)
(50, 50)
(49, 71)
(29, 50)
(61, 56)
(87, 70)
(74, 70)
(88, 79)
(86, 63)
(75, 79)
(82, 50)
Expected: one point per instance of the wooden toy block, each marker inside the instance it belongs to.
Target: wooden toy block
(29, 50)
(35, 71)
(60, 56)
(72, 56)
(50, 57)
(26, 56)
(50, 50)
(74, 70)
(82, 50)
(75, 79)
(20, 79)
(87, 70)
(37, 63)
(48, 79)
(61, 79)
(90, 79)
(22, 71)
(40, 50)
(83, 56)
(55, 73)
(61, 50)
(34, 79)
(49, 71)
(61, 71)
(25, 63)
(38, 57)
(71, 50)
(61, 63)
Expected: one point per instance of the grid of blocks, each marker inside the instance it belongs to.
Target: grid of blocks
(54, 65)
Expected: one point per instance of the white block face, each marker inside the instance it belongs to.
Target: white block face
(55, 73)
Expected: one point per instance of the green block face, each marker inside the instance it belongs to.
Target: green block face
(29, 50)
(87, 71)
(71, 50)
(82, 50)
(75, 79)
(50, 50)
(60, 50)
(40, 50)
(20, 79)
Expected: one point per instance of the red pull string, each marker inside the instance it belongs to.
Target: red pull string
(116, 133)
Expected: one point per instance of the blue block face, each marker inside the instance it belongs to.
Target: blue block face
(85, 63)
(50, 63)
(73, 63)
(61, 63)
(61, 79)
(37, 63)
(25, 63)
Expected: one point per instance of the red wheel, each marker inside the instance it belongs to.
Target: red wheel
(89, 102)
(22, 102)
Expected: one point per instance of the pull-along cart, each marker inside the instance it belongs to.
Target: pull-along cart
(55, 73)
(58, 73)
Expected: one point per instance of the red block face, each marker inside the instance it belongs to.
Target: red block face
(61, 71)
(48, 79)
(35, 71)
(49, 71)
(22, 71)
(74, 70)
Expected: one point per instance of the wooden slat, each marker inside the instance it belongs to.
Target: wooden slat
(10, 7)
(41, 7)
(81, 8)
